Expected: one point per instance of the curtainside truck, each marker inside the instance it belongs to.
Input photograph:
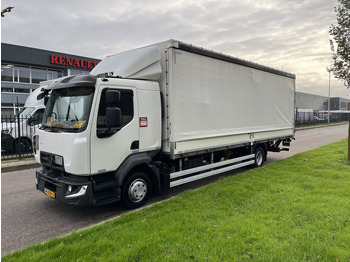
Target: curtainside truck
(158, 117)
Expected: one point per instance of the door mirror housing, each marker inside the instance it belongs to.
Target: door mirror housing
(44, 95)
(46, 99)
(112, 97)
(113, 117)
(30, 121)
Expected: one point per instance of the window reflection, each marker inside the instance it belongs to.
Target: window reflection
(22, 74)
(26, 74)
(38, 75)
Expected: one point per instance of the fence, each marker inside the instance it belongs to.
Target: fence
(311, 118)
(16, 136)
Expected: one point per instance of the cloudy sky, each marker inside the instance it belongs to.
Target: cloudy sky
(290, 35)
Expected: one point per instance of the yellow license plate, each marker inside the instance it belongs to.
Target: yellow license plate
(49, 193)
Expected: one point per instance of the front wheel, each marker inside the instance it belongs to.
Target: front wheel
(259, 157)
(23, 145)
(136, 190)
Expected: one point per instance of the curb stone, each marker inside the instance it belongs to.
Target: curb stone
(19, 165)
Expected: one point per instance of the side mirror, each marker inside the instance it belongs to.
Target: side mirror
(113, 117)
(46, 99)
(112, 97)
(30, 121)
(43, 95)
(33, 121)
(40, 96)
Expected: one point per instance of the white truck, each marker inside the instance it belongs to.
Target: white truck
(17, 133)
(158, 117)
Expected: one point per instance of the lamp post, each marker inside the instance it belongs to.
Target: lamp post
(329, 70)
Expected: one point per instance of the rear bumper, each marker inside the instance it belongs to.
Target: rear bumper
(76, 190)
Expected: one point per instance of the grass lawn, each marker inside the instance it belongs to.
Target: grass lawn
(296, 209)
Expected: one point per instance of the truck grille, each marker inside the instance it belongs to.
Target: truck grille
(49, 160)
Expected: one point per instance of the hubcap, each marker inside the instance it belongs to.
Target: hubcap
(138, 190)
(259, 158)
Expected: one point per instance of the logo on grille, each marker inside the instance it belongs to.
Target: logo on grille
(51, 160)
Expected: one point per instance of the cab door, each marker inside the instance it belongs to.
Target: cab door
(108, 149)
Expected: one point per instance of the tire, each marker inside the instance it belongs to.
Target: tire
(24, 145)
(259, 157)
(136, 190)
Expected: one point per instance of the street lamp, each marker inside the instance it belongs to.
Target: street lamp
(329, 70)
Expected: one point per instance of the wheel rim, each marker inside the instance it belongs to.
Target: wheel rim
(259, 158)
(137, 190)
(24, 146)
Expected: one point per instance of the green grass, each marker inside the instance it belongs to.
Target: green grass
(296, 209)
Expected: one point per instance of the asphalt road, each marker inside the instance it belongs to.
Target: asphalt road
(29, 217)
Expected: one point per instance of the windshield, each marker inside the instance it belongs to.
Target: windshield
(24, 113)
(68, 109)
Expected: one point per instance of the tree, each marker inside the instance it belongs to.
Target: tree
(6, 10)
(340, 46)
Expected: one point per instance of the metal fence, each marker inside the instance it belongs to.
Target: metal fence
(321, 117)
(16, 136)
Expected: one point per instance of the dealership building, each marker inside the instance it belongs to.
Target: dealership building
(23, 68)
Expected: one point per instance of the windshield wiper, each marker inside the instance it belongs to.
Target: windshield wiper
(50, 128)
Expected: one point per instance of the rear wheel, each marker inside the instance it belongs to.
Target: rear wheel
(259, 157)
(136, 190)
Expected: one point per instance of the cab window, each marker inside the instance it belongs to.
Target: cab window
(126, 106)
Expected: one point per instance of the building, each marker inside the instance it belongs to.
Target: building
(22, 68)
(314, 108)
(320, 103)
(338, 103)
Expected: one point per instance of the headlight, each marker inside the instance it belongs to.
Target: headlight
(59, 160)
(81, 191)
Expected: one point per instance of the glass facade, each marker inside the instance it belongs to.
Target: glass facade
(24, 68)
(77, 72)
(27, 74)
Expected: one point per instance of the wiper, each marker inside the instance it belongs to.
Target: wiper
(57, 126)
(50, 128)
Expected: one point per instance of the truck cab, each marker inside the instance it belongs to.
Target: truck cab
(17, 134)
(90, 128)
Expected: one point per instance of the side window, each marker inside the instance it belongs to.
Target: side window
(126, 106)
(38, 116)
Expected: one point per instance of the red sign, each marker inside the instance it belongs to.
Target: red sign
(143, 122)
(73, 62)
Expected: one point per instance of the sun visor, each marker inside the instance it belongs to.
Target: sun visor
(143, 63)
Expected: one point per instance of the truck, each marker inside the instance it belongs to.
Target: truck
(157, 117)
(17, 133)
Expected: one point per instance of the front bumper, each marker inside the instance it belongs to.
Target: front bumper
(76, 190)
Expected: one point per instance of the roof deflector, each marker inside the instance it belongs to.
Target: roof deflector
(143, 63)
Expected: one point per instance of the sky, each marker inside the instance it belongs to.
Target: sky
(289, 35)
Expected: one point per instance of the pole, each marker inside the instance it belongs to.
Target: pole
(329, 96)
(329, 69)
(19, 133)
